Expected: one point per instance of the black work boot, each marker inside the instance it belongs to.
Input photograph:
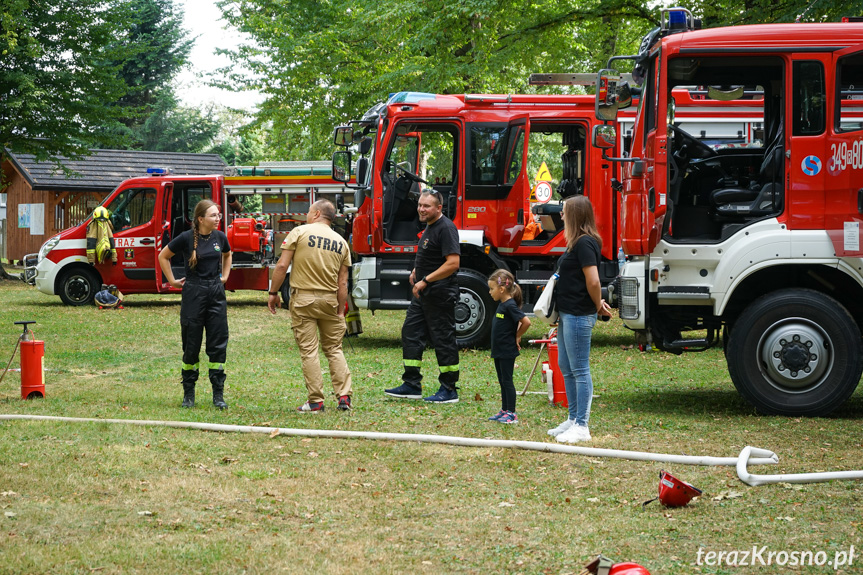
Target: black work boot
(217, 378)
(190, 376)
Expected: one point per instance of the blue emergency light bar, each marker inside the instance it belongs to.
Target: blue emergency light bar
(677, 19)
(161, 171)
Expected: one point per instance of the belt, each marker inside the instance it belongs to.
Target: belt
(312, 291)
(202, 281)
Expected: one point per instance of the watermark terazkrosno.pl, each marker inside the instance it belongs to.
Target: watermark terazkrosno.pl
(760, 555)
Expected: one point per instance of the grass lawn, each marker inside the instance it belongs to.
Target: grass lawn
(103, 498)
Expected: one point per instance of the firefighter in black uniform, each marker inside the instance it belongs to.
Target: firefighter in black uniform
(207, 256)
(431, 314)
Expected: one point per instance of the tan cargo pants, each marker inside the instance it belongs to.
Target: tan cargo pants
(314, 311)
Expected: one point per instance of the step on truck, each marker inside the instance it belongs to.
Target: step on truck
(756, 247)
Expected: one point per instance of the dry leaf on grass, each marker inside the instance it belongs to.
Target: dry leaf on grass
(728, 495)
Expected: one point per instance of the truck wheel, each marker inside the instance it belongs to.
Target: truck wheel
(795, 352)
(78, 286)
(474, 310)
(286, 292)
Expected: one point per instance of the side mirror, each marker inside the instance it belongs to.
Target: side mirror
(343, 136)
(606, 95)
(342, 165)
(604, 136)
(365, 146)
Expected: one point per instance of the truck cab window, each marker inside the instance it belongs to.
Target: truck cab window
(192, 196)
(486, 153)
(849, 91)
(132, 207)
(809, 114)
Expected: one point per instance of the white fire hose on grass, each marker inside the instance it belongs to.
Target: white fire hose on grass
(749, 455)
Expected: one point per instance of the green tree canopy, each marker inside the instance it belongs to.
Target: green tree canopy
(321, 63)
(150, 53)
(54, 87)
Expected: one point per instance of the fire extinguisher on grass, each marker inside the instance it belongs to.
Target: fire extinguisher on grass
(32, 372)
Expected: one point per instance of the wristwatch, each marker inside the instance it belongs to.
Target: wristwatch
(424, 280)
(273, 293)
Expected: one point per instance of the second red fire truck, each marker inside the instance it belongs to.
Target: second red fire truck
(755, 247)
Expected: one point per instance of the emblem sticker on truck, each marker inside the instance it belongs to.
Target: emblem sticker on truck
(811, 165)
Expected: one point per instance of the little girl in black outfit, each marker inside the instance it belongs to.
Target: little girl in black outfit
(507, 327)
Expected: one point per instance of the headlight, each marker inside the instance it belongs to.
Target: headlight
(48, 246)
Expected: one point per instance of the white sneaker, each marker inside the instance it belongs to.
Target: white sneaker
(575, 434)
(561, 428)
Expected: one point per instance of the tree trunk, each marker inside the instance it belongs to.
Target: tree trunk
(5, 275)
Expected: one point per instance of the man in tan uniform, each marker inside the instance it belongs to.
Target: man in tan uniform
(319, 291)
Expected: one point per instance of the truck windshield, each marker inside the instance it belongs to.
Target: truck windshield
(132, 207)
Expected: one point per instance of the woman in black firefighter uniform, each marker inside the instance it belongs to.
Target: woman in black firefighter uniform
(207, 257)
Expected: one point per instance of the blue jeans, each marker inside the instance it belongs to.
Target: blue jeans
(573, 358)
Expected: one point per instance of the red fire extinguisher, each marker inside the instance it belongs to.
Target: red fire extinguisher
(32, 373)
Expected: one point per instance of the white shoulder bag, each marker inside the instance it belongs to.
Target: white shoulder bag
(545, 308)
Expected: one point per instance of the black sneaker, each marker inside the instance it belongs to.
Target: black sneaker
(443, 395)
(405, 391)
(344, 403)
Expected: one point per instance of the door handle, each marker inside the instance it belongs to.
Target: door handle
(860, 201)
(148, 241)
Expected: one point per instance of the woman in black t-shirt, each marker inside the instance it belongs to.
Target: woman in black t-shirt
(578, 295)
(207, 257)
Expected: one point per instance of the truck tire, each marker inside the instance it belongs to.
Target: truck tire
(286, 292)
(474, 310)
(77, 286)
(795, 352)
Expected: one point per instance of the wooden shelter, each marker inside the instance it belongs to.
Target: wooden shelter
(42, 200)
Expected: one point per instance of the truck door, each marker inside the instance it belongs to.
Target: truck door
(844, 161)
(133, 217)
(162, 231)
(496, 182)
(640, 230)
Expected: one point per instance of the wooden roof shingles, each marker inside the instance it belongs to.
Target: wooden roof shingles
(104, 170)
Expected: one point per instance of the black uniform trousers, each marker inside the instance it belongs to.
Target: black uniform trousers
(204, 307)
(431, 317)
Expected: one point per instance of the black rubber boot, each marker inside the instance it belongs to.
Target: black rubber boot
(217, 378)
(189, 378)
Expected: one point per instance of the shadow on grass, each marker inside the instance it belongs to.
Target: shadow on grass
(671, 402)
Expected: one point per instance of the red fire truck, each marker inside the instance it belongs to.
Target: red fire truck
(481, 152)
(755, 246)
(263, 204)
